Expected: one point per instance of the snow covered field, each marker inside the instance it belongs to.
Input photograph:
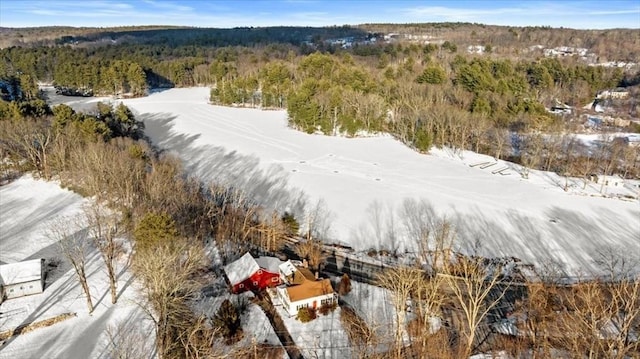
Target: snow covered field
(496, 214)
(27, 206)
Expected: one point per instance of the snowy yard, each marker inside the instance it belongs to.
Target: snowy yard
(364, 181)
(27, 206)
(323, 337)
(255, 324)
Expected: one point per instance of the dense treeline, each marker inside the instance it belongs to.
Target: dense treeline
(174, 36)
(431, 95)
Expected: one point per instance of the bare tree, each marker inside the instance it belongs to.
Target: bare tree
(30, 140)
(362, 337)
(499, 139)
(401, 283)
(311, 250)
(75, 247)
(318, 221)
(476, 289)
(539, 317)
(427, 299)
(531, 153)
(167, 272)
(104, 229)
(271, 232)
(128, 340)
(433, 235)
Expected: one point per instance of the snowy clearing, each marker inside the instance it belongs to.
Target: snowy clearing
(497, 214)
(26, 207)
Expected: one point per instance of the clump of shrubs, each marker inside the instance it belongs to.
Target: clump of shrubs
(326, 308)
(306, 314)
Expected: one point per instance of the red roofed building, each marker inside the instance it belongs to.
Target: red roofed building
(245, 274)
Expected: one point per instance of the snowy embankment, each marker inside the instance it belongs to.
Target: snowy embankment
(27, 208)
(359, 180)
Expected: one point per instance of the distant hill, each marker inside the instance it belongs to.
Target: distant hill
(618, 44)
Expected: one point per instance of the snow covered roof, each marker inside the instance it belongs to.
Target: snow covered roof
(269, 263)
(287, 268)
(21, 272)
(241, 269)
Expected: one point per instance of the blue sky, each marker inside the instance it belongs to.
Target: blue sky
(230, 13)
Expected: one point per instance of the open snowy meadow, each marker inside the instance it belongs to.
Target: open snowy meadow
(363, 182)
(28, 207)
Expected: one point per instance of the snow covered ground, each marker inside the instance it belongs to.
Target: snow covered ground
(26, 208)
(497, 214)
(255, 324)
(373, 305)
(322, 337)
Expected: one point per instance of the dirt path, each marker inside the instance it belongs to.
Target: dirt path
(279, 327)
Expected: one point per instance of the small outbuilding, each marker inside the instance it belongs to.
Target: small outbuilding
(21, 279)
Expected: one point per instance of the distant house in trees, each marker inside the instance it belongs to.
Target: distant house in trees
(21, 279)
(618, 93)
(609, 181)
(245, 274)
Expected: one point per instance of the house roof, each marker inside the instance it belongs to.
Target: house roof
(309, 289)
(296, 274)
(21, 272)
(241, 269)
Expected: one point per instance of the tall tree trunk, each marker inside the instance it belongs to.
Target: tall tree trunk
(85, 288)
(113, 283)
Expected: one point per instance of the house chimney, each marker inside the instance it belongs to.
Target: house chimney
(305, 264)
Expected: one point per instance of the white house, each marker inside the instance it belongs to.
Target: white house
(609, 181)
(308, 294)
(21, 279)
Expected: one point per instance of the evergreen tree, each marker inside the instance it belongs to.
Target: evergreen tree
(155, 229)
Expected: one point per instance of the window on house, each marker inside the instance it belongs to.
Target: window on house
(274, 279)
(259, 271)
(241, 285)
(255, 284)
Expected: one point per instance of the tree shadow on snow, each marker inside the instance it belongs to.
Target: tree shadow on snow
(569, 238)
(266, 185)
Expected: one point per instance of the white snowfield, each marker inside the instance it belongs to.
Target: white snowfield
(496, 214)
(27, 208)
